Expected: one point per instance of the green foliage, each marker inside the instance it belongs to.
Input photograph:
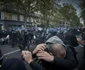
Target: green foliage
(48, 9)
(69, 14)
(44, 6)
(82, 6)
(28, 7)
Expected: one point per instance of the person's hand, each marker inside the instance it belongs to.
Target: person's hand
(27, 56)
(39, 47)
(81, 41)
(45, 56)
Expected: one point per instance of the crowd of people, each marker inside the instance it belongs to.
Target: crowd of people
(54, 50)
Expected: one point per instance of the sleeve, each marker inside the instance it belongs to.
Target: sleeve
(33, 55)
(36, 66)
(69, 62)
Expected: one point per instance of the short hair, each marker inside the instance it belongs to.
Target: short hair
(58, 50)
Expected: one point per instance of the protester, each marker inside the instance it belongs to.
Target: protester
(1, 58)
(49, 60)
(82, 67)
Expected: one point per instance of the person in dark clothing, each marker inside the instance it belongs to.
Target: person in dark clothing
(59, 53)
(82, 67)
(83, 38)
(1, 57)
(21, 40)
(70, 39)
(50, 61)
(30, 34)
(13, 64)
(82, 42)
(13, 38)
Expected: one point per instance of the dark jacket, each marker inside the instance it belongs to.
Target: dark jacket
(13, 64)
(1, 57)
(70, 39)
(68, 63)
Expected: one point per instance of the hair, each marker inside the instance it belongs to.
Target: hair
(58, 50)
(71, 39)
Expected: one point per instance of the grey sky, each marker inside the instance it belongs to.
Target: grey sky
(73, 2)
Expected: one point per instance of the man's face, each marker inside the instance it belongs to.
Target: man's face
(83, 42)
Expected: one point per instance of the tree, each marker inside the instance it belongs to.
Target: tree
(82, 6)
(69, 14)
(46, 8)
(57, 17)
(24, 7)
(28, 7)
(6, 4)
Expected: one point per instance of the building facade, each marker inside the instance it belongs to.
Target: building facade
(10, 20)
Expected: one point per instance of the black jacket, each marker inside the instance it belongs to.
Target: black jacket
(1, 57)
(68, 63)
